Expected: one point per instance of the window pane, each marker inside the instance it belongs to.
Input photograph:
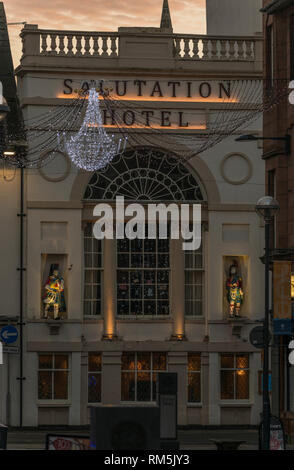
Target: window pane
(123, 308)
(163, 308)
(159, 361)
(96, 308)
(44, 385)
(123, 261)
(194, 362)
(242, 384)
(194, 387)
(45, 361)
(242, 362)
(136, 308)
(94, 388)
(227, 361)
(128, 361)
(128, 386)
(163, 292)
(144, 386)
(88, 245)
(94, 362)
(88, 230)
(60, 385)
(227, 385)
(144, 361)
(87, 308)
(149, 292)
(61, 362)
(123, 245)
(149, 308)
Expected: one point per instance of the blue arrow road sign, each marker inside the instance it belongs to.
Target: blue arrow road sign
(8, 334)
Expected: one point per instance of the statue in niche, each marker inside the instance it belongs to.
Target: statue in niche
(54, 293)
(235, 294)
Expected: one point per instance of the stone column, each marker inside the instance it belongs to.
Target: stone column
(178, 289)
(205, 388)
(177, 362)
(111, 378)
(214, 389)
(75, 408)
(109, 283)
(84, 389)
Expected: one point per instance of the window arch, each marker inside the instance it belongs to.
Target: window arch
(145, 174)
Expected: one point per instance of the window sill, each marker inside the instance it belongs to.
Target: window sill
(194, 405)
(237, 404)
(146, 404)
(145, 318)
(53, 404)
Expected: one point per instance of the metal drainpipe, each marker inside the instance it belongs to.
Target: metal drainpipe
(21, 269)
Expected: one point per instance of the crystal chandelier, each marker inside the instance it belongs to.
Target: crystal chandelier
(92, 148)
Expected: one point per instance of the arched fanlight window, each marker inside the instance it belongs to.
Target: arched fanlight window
(144, 174)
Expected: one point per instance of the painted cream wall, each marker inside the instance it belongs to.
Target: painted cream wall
(9, 241)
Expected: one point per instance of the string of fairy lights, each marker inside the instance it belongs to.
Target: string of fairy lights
(80, 126)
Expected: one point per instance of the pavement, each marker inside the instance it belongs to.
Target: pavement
(190, 439)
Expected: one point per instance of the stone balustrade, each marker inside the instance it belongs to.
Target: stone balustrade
(39, 42)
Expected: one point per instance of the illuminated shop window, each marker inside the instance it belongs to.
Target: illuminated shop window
(143, 277)
(234, 376)
(138, 375)
(194, 282)
(194, 378)
(53, 377)
(94, 377)
(92, 272)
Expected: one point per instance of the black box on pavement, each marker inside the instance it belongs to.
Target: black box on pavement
(125, 428)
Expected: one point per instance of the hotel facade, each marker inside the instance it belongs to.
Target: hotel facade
(134, 308)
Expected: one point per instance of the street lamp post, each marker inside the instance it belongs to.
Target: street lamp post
(267, 207)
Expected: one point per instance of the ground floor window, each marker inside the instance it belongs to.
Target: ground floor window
(234, 376)
(53, 377)
(194, 378)
(138, 375)
(94, 377)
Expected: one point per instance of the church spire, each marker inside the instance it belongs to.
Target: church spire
(166, 22)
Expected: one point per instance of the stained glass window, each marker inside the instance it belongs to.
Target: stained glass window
(143, 277)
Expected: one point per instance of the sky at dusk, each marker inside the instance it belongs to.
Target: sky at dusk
(188, 16)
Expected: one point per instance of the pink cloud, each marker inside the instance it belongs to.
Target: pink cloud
(187, 15)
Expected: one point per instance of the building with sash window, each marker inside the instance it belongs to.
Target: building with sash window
(133, 308)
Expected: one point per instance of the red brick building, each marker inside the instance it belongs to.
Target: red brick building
(278, 25)
(279, 121)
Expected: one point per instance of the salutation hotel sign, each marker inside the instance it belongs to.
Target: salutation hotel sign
(169, 104)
